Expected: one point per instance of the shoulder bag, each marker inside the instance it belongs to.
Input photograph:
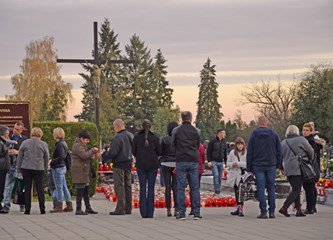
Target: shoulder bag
(309, 168)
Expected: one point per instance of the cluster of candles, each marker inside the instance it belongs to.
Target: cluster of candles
(207, 198)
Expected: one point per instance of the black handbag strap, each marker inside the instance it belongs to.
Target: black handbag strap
(291, 148)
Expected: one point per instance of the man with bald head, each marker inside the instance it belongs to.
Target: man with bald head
(262, 158)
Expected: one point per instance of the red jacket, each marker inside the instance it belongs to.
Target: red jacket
(202, 158)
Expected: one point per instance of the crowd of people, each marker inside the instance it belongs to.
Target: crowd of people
(180, 155)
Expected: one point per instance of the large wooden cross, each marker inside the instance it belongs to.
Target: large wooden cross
(97, 62)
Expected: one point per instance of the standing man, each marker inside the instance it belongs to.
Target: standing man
(120, 154)
(12, 173)
(185, 141)
(216, 155)
(262, 158)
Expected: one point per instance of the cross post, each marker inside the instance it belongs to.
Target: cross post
(97, 62)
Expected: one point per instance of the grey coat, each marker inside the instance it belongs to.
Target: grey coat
(300, 146)
(33, 155)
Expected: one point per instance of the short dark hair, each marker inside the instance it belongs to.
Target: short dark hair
(219, 130)
(85, 134)
(186, 116)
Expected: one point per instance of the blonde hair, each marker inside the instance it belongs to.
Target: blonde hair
(58, 133)
(36, 132)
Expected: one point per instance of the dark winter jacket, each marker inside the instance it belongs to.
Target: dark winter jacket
(19, 140)
(59, 154)
(264, 149)
(146, 157)
(120, 152)
(217, 150)
(316, 148)
(186, 141)
(168, 154)
(4, 157)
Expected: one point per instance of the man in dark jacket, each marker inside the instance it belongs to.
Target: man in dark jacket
(185, 141)
(120, 154)
(216, 155)
(12, 173)
(262, 158)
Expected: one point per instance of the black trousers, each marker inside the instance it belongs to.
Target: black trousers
(310, 195)
(2, 184)
(170, 182)
(294, 196)
(236, 189)
(37, 176)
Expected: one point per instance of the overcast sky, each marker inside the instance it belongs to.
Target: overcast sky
(247, 40)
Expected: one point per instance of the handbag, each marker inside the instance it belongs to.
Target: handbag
(18, 192)
(309, 168)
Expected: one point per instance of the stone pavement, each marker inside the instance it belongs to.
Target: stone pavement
(217, 223)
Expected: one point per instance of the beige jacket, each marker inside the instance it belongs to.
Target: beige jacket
(81, 158)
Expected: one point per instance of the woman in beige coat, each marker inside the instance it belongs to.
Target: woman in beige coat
(80, 169)
(236, 162)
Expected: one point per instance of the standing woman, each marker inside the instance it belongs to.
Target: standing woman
(168, 164)
(80, 169)
(236, 162)
(58, 168)
(4, 159)
(293, 146)
(310, 187)
(146, 149)
(32, 162)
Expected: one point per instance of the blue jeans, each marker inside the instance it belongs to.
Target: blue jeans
(217, 168)
(147, 199)
(188, 171)
(59, 179)
(265, 177)
(10, 181)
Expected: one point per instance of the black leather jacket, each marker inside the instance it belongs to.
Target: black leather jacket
(217, 150)
(59, 154)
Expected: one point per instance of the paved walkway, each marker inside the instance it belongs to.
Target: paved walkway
(217, 223)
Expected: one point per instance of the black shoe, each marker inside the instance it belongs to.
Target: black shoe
(235, 213)
(315, 210)
(80, 212)
(180, 217)
(116, 213)
(262, 216)
(4, 210)
(27, 212)
(90, 211)
(191, 213)
(42, 211)
(271, 215)
(197, 217)
(306, 211)
(128, 213)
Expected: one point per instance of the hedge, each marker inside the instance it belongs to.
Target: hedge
(72, 130)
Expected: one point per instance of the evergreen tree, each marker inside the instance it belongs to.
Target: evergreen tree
(314, 100)
(161, 119)
(208, 114)
(139, 103)
(160, 83)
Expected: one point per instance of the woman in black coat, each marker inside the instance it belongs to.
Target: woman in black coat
(146, 149)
